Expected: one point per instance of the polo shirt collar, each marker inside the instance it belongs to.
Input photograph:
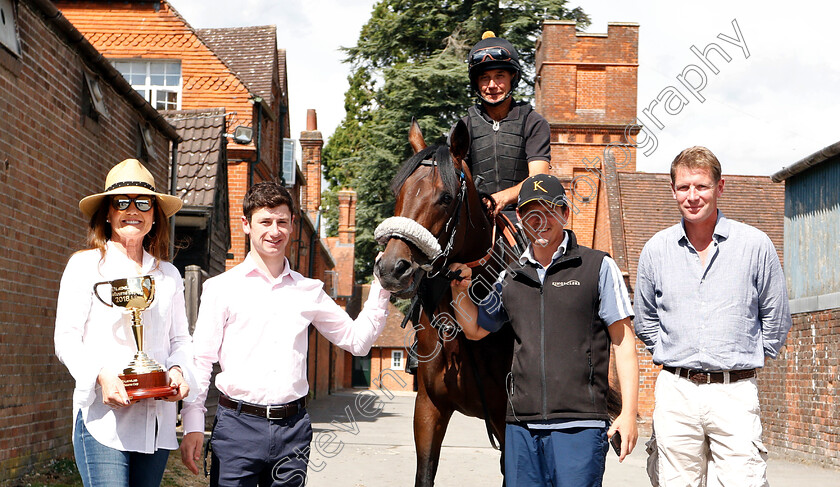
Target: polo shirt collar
(513, 114)
(528, 255)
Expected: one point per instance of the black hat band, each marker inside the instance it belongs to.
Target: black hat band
(123, 184)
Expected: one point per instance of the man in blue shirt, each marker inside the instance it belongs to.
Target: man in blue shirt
(566, 304)
(710, 304)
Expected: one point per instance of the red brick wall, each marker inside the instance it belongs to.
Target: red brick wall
(154, 31)
(798, 391)
(51, 155)
(311, 144)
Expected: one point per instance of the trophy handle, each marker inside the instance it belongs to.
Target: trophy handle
(96, 292)
(152, 290)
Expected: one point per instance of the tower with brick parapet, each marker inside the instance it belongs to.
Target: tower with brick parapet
(586, 88)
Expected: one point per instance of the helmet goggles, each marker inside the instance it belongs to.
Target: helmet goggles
(495, 53)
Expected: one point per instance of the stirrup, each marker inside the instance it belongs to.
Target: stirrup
(412, 362)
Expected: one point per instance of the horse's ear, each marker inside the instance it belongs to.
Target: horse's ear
(459, 141)
(415, 137)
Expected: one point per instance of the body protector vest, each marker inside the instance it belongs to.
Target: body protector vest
(497, 151)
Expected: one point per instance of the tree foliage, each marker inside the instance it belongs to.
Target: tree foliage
(409, 62)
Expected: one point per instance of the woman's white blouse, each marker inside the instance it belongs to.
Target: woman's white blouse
(90, 336)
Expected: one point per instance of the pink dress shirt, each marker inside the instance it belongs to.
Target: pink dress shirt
(256, 327)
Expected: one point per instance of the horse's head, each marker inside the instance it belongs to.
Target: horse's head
(437, 206)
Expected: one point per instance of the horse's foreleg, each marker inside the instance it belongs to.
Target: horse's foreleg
(430, 424)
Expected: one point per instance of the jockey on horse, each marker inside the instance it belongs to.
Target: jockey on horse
(509, 140)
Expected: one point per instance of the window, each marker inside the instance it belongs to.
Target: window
(289, 164)
(396, 359)
(8, 27)
(96, 98)
(159, 82)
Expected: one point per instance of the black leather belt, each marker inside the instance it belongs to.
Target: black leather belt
(701, 377)
(281, 411)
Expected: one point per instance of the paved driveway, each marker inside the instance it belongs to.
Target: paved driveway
(352, 450)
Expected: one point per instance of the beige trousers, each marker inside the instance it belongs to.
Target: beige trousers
(698, 427)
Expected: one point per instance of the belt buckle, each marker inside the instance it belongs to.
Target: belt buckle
(708, 377)
(283, 408)
(696, 376)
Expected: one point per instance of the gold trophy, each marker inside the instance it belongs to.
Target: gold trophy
(143, 378)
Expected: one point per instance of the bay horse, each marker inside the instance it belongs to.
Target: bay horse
(440, 219)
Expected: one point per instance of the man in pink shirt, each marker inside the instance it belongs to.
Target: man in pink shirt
(254, 320)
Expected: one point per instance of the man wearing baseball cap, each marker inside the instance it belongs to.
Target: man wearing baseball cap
(566, 304)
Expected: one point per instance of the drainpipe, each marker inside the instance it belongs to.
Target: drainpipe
(251, 167)
(173, 190)
(310, 273)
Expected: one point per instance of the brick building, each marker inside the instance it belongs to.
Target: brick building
(386, 369)
(240, 70)
(799, 389)
(68, 118)
(177, 67)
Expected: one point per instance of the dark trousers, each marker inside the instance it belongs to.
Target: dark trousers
(249, 451)
(573, 457)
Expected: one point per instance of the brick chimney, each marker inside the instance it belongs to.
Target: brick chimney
(311, 144)
(347, 216)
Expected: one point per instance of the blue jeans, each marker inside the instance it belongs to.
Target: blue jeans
(102, 466)
(573, 457)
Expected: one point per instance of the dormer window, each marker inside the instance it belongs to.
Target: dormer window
(159, 82)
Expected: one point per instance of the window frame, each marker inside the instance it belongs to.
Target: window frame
(147, 89)
(9, 20)
(397, 365)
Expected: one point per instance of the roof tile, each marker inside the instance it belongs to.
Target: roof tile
(199, 154)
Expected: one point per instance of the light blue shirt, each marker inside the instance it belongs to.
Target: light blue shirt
(725, 315)
(614, 304)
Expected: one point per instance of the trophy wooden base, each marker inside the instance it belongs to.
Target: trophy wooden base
(148, 385)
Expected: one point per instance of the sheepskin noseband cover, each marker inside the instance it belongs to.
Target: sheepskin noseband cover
(408, 229)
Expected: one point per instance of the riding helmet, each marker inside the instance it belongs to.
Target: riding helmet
(493, 52)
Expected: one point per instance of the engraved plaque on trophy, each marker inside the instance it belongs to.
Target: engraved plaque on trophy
(144, 377)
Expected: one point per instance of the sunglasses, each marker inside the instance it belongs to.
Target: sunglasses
(490, 54)
(142, 203)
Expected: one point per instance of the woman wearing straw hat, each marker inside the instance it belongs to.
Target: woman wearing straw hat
(118, 441)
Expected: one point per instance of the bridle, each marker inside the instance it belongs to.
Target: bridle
(432, 269)
(412, 231)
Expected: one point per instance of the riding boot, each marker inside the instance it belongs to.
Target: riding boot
(412, 362)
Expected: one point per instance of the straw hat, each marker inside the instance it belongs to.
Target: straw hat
(130, 177)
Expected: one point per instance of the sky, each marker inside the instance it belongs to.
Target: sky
(759, 113)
